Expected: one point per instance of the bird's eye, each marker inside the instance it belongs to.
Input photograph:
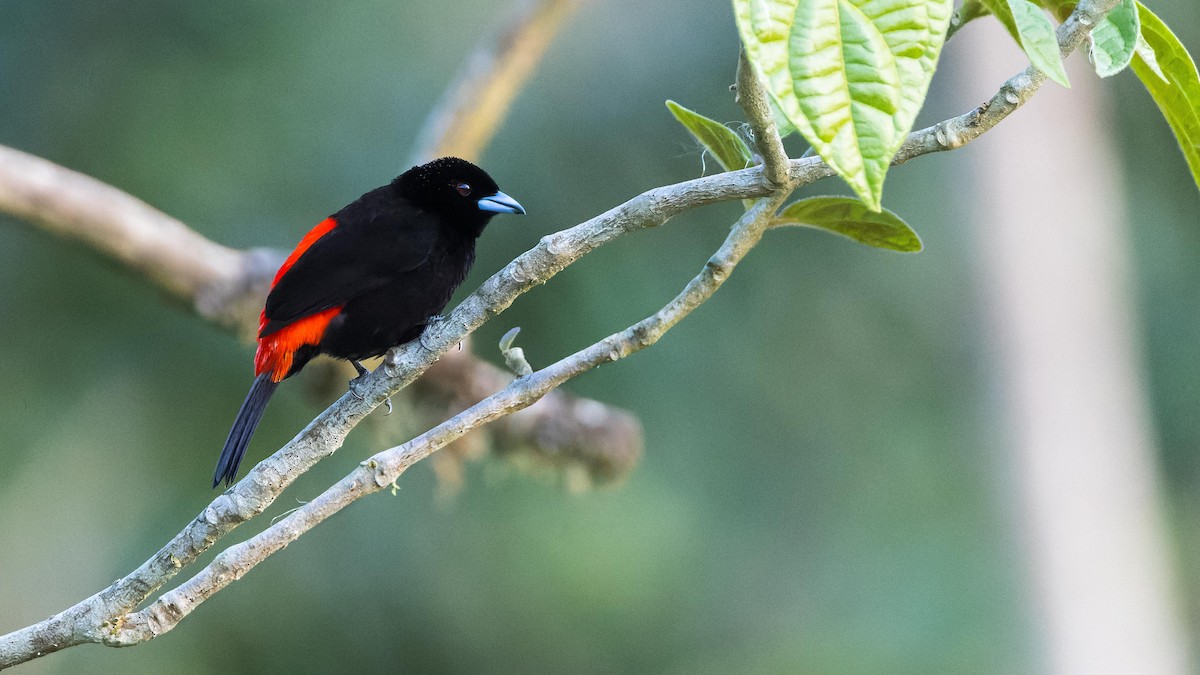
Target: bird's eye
(464, 189)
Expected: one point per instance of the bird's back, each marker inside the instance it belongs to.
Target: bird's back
(397, 297)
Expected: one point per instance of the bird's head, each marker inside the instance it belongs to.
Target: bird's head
(456, 188)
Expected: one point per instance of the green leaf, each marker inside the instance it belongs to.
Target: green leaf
(1115, 39)
(1032, 30)
(722, 142)
(1177, 93)
(971, 10)
(851, 75)
(782, 123)
(1145, 51)
(851, 218)
(1060, 9)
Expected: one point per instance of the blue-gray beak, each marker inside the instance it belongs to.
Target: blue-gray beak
(500, 203)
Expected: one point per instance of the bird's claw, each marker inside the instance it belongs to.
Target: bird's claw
(357, 383)
(435, 319)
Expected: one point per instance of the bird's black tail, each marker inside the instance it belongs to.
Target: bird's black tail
(243, 428)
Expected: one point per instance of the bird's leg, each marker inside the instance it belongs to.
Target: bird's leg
(356, 384)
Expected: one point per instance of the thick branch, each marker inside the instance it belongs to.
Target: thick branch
(176, 259)
(103, 617)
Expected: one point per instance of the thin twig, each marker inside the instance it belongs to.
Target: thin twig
(584, 442)
(753, 99)
(958, 131)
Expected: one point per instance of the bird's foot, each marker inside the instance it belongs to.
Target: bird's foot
(431, 321)
(358, 382)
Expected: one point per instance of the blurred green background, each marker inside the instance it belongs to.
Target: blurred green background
(821, 490)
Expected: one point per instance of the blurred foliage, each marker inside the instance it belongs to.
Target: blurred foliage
(823, 488)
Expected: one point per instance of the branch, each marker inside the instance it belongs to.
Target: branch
(213, 279)
(958, 131)
(562, 431)
(384, 468)
(466, 118)
(227, 286)
(586, 443)
(106, 617)
(753, 99)
(95, 619)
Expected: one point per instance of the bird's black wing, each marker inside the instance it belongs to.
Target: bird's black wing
(346, 262)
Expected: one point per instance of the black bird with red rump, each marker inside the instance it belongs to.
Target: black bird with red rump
(368, 278)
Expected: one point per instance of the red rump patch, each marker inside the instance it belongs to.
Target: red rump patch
(275, 351)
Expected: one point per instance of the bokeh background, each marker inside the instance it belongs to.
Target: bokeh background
(824, 486)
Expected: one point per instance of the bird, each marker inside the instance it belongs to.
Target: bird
(367, 278)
